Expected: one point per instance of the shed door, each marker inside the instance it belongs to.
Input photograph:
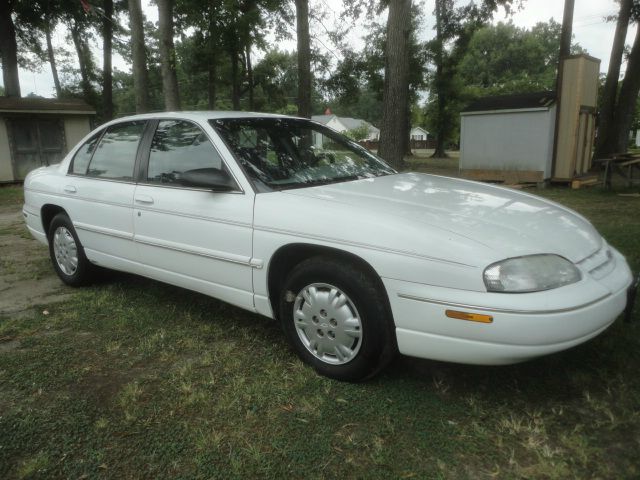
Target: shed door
(35, 142)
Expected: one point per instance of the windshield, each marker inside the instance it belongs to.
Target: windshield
(285, 153)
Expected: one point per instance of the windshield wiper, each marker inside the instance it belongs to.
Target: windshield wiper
(317, 182)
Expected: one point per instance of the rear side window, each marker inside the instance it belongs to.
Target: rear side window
(83, 156)
(177, 147)
(115, 155)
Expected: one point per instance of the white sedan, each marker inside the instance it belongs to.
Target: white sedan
(286, 218)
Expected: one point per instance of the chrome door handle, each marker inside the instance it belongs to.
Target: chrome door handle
(145, 199)
(70, 189)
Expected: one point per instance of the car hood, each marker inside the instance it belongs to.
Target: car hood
(504, 220)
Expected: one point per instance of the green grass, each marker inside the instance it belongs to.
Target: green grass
(133, 378)
(11, 195)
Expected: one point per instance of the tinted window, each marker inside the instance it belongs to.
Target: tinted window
(116, 152)
(177, 147)
(83, 155)
(293, 153)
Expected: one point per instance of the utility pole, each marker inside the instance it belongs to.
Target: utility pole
(567, 30)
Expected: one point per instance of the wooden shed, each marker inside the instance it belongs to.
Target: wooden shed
(39, 131)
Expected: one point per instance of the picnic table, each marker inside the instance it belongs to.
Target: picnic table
(621, 163)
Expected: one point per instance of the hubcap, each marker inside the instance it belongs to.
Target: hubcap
(327, 323)
(65, 251)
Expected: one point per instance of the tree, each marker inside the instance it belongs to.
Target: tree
(107, 76)
(139, 57)
(502, 59)
(168, 55)
(604, 141)
(304, 58)
(627, 99)
(52, 60)
(78, 26)
(395, 104)
(455, 27)
(9, 50)
(440, 81)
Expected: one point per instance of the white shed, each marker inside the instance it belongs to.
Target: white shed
(512, 137)
(509, 133)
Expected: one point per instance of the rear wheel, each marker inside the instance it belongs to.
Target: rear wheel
(67, 254)
(334, 316)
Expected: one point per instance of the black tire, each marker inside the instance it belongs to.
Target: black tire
(377, 344)
(83, 273)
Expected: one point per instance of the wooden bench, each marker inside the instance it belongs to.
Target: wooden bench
(621, 163)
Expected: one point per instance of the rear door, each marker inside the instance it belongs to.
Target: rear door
(193, 237)
(100, 187)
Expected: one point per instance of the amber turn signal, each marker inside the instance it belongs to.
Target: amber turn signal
(472, 317)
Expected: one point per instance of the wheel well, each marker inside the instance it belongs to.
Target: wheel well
(47, 213)
(288, 256)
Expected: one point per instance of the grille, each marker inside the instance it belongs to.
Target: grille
(600, 264)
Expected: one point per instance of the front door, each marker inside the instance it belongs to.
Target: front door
(192, 237)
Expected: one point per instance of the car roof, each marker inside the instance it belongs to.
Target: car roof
(202, 115)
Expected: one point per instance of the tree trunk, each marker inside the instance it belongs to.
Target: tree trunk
(235, 84)
(212, 83)
(52, 60)
(407, 135)
(441, 127)
(82, 51)
(627, 100)
(249, 77)
(139, 57)
(107, 77)
(212, 67)
(168, 55)
(395, 96)
(304, 58)
(8, 52)
(608, 102)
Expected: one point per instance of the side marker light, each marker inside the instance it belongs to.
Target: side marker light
(472, 317)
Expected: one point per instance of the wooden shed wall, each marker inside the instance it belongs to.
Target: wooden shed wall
(6, 170)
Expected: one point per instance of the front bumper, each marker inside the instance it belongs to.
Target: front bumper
(524, 326)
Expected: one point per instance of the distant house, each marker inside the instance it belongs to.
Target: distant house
(344, 124)
(39, 131)
(419, 133)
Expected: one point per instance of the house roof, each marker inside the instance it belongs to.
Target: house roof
(419, 128)
(518, 101)
(45, 105)
(323, 119)
(348, 122)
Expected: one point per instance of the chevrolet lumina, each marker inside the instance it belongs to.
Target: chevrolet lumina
(287, 218)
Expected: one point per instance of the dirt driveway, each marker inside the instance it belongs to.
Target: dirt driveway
(26, 275)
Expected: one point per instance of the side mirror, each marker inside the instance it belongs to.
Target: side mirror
(209, 178)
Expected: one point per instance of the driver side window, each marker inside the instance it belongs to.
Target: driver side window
(177, 147)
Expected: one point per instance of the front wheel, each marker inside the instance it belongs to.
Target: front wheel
(334, 316)
(67, 254)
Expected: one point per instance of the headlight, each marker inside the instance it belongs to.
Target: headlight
(532, 273)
